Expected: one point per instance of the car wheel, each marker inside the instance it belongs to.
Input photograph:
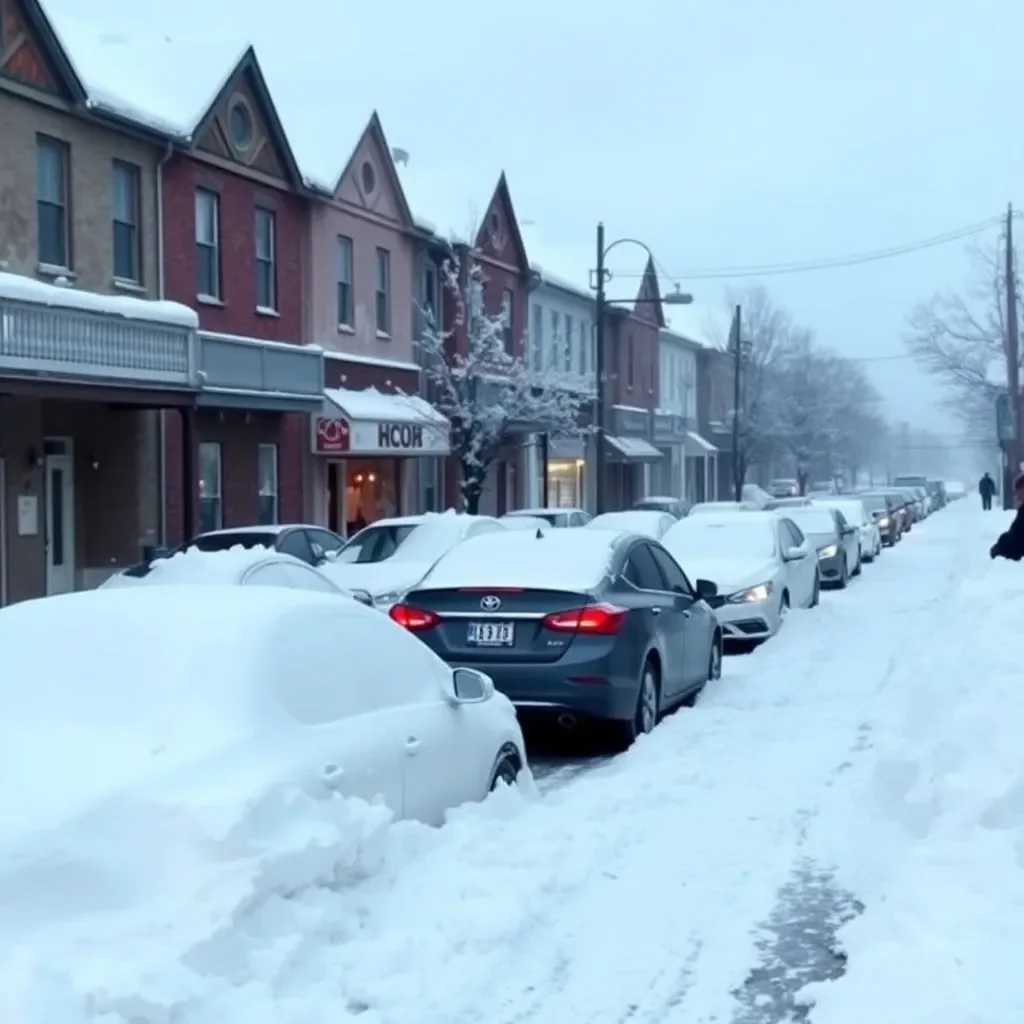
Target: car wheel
(857, 567)
(715, 662)
(844, 578)
(506, 771)
(645, 717)
(783, 609)
(816, 592)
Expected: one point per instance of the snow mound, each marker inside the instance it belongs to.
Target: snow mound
(940, 800)
(193, 566)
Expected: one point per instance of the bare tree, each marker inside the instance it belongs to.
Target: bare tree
(961, 340)
(482, 388)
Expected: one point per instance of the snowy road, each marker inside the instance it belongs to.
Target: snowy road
(639, 890)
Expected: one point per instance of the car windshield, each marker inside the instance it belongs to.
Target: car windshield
(375, 543)
(551, 517)
(813, 520)
(235, 539)
(704, 538)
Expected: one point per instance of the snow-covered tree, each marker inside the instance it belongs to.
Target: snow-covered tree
(480, 386)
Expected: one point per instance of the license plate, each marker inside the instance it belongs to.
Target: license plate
(491, 634)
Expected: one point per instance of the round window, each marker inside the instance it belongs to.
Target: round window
(369, 177)
(240, 125)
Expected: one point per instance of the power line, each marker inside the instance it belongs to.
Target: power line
(825, 263)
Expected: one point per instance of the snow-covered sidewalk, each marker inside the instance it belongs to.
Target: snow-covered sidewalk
(634, 893)
(928, 828)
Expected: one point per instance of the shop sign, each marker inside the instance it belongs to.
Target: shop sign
(669, 428)
(331, 435)
(631, 422)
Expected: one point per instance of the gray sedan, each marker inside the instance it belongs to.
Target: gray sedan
(836, 541)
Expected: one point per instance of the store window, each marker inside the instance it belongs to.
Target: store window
(210, 507)
(371, 492)
(565, 483)
(268, 484)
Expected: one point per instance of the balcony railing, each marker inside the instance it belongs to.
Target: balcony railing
(81, 345)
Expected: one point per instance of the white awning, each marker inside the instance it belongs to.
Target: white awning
(703, 445)
(633, 449)
(370, 422)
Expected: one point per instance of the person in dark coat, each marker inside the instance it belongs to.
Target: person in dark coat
(986, 488)
(1011, 544)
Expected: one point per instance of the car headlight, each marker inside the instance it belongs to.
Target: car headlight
(387, 599)
(829, 551)
(884, 521)
(752, 594)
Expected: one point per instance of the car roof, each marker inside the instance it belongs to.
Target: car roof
(212, 568)
(540, 510)
(769, 516)
(270, 528)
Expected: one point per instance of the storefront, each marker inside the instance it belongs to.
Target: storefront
(567, 480)
(668, 477)
(630, 456)
(368, 447)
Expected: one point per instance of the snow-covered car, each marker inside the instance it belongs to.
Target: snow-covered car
(955, 489)
(759, 561)
(646, 522)
(856, 514)
(678, 508)
(834, 539)
(703, 508)
(754, 495)
(267, 703)
(235, 567)
(391, 556)
(525, 523)
(560, 517)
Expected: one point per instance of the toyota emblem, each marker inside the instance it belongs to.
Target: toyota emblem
(490, 603)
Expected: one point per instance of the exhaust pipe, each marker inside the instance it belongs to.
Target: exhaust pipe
(567, 721)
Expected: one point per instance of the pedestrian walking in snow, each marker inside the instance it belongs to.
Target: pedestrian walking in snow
(986, 488)
(1011, 543)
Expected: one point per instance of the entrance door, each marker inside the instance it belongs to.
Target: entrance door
(60, 517)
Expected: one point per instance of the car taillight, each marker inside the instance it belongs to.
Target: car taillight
(595, 619)
(413, 619)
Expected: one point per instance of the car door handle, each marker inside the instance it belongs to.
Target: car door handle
(412, 746)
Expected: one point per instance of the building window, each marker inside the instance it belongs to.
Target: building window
(629, 361)
(430, 295)
(210, 511)
(570, 337)
(556, 330)
(52, 223)
(207, 244)
(383, 292)
(127, 178)
(268, 484)
(266, 260)
(506, 312)
(537, 340)
(343, 272)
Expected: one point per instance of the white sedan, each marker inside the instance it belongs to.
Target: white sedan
(760, 562)
(857, 515)
(646, 522)
(389, 557)
(182, 697)
(238, 566)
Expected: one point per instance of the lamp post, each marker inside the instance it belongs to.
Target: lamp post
(602, 276)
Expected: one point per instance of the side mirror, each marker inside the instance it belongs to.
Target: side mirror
(363, 597)
(794, 554)
(331, 556)
(470, 686)
(706, 589)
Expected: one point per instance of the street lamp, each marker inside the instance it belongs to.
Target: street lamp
(602, 275)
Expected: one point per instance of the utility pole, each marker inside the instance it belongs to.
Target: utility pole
(737, 396)
(599, 313)
(1013, 349)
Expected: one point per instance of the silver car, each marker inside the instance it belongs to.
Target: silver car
(836, 541)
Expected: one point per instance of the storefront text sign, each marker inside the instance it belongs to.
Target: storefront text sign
(331, 434)
(402, 436)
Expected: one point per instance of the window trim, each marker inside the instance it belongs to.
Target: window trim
(261, 450)
(134, 174)
(343, 243)
(52, 144)
(261, 215)
(382, 262)
(217, 294)
(218, 497)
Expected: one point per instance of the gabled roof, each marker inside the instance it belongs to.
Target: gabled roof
(53, 49)
(374, 129)
(649, 294)
(502, 190)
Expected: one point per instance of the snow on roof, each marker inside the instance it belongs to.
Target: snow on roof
(575, 560)
(25, 289)
(166, 80)
(373, 405)
(634, 520)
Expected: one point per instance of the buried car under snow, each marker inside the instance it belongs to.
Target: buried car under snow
(264, 690)
(584, 622)
(759, 562)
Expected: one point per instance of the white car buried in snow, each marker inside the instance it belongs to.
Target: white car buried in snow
(261, 692)
(389, 557)
(855, 513)
(760, 563)
(646, 522)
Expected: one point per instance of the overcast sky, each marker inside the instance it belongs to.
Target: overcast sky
(745, 132)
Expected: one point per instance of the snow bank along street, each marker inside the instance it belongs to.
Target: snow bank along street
(873, 738)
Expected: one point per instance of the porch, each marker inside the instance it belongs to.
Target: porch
(82, 377)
